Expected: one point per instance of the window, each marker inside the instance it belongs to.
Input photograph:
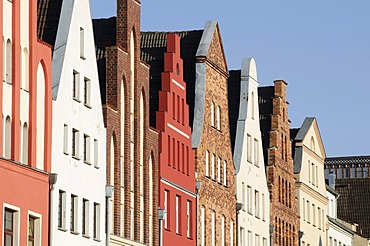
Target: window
(62, 210)
(319, 219)
(85, 217)
(207, 163)
(202, 226)
(96, 153)
(249, 148)
(219, 169)
(242, 236)
(218, 117)
(313, 215)
(317, 176)
(25, 144)
(74, 209)
(212, 114)
(257, 240)
(249, 199)
(178, 214)
(313, 173)
(243, 196)
(8, 138)
(263, 208)
(250, 239)
(87, 92)
(9, 234)
(256, 156)
(213, 229)
(87, 149)
(213, 166)
(308, 212)
(31, 231)
(188, 219)
(65, 139)
(309, 172)
(252, 105)
(8, 74)
(96, 225)
(82, 43)
(257, 203)
(223, 231)
(303, 210)
(75, 143)
(225, 174)
(264, 243)
(76, 86)
(166, 202)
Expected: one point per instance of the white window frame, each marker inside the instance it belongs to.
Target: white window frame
(188, 219)
(74, 214)
(219, 170)
(16, 222)
(256, 154)
(225, 173)
(202, 225)
(62, 196)
(207, 163)
(96, 153)
(222, 230)
(166, 206)
(249, 200)
(85, 217)
(257, 203)
(213, 166)
(37, 227)
(87, 149)
(178, 214)
(213, 228)
(249, 148)
(82, 43)
(87, 92)
(96, 221)
(65, 139)
(75, 143)
(76, 86)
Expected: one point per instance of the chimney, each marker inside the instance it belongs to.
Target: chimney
(332, 180)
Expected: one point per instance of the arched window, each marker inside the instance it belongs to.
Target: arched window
(111, 181)
(25, 144)
(141, 167)
(252, 105)
(213, 114)
(8, 76)
(8, 138)
(150, 177)
(25, 70)
(40, 116)
(218, 117)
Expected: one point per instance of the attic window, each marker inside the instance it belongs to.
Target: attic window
(82, 43)
(178, 69)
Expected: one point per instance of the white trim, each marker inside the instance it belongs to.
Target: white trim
(178, 84)
(38, 227)
(177, 130)
(166, 182)
(16, 221)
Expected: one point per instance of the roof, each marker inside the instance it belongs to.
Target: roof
(105, 36)
(265, 96)
(353, 202)
(234, 101)
(301, 134)
(340, 225)
(153, 47)
(48, 15)
(348, 160)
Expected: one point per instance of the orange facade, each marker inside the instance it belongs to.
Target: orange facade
(24, 181)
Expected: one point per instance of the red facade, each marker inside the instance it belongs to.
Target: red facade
(24, 189)
(176, 157)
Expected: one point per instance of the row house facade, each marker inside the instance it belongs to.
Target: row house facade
(274, 123)
(206, 74)
(132, 152)
(309, 155)
(78, 147)
(253, 217)
(177, 195)
(25, 139)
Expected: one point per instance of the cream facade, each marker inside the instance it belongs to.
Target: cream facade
(309, 156)
(79, 135)
(251, 185)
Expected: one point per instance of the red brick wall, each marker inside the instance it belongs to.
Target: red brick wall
(280, 172)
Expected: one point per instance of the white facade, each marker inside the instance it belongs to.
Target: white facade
(251, 185)
(79, 140)
(310, 183)
(338, 234)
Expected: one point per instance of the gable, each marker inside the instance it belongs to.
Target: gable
(313, 140)
(216, 51)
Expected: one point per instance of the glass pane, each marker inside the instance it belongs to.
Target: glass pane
(31, 227)
(8, 240)
(8, 223)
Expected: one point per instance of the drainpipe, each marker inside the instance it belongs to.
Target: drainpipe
(239, 207)
(52, 180)
(198, 184)
(271, 230)
(161, 213)
(108, 195)
(300, 234)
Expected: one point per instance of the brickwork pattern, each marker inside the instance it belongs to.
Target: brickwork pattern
(215, 196)
(119, 71)
(280, 173)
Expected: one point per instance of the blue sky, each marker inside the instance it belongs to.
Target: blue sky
(321, 48)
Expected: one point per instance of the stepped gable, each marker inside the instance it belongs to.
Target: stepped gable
(234, 101)
(153, 46)
(48, 15)
(265, 96)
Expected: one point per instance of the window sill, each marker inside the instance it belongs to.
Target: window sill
(76, 157)
(75, 233)
(62, 229)
(87, 105)
(66, 153)
(83, 57)
(86, 236)
(96, 166)
(96, 239)
(87, 162)
(76, 99)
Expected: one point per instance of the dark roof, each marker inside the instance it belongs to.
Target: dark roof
(153, 47)
(234, 101)
(293, 134)
(265, 96)
(48, 15)
(104, 36)
(348, 160)
(353, 202)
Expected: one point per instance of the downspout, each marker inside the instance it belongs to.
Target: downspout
(52, 180)
(108, 194)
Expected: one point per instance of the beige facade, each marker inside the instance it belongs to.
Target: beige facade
(310, 182)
